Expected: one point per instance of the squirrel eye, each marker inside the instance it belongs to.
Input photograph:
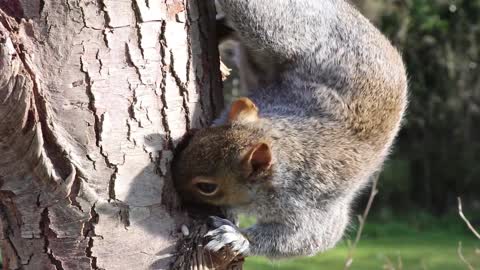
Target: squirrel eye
(207, 189)
(206, 186)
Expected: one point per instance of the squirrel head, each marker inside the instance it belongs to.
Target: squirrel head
(224, 165)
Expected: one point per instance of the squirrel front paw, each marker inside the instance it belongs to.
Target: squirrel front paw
(226, 233)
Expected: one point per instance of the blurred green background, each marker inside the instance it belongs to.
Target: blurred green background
(416, 242)
(436, 157)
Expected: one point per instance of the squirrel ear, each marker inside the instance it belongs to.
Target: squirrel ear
(259, 158)
(244, 110)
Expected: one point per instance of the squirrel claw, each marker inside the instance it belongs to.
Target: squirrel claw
(226, 233)
(215, 222)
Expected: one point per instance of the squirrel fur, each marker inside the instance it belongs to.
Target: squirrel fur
(305, 141)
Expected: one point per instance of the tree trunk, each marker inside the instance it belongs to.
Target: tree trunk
(94, 97)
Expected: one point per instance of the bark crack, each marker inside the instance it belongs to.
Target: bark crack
(111, 184)
(89, 231)
(88, 253)
(94, 163)
(131, 114)
(84, 20)
(106, 16)
(67, 3)
(29, 259)
(138, 19)
(91, 100)
(163, 84)
(105, 36)
(98, 127)
(129, 60)
(100, 62)
(41, 6)
(48, 233)
(183, 90)
(38, 201)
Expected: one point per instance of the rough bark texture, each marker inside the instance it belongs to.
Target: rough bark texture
(94, 97)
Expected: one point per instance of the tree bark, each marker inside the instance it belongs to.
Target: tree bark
(94, 97)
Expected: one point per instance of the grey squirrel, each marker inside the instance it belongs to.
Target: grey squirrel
(298, 149)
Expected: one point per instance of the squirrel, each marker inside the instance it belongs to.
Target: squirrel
(297, 150)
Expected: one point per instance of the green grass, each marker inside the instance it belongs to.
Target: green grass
(418, 244)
